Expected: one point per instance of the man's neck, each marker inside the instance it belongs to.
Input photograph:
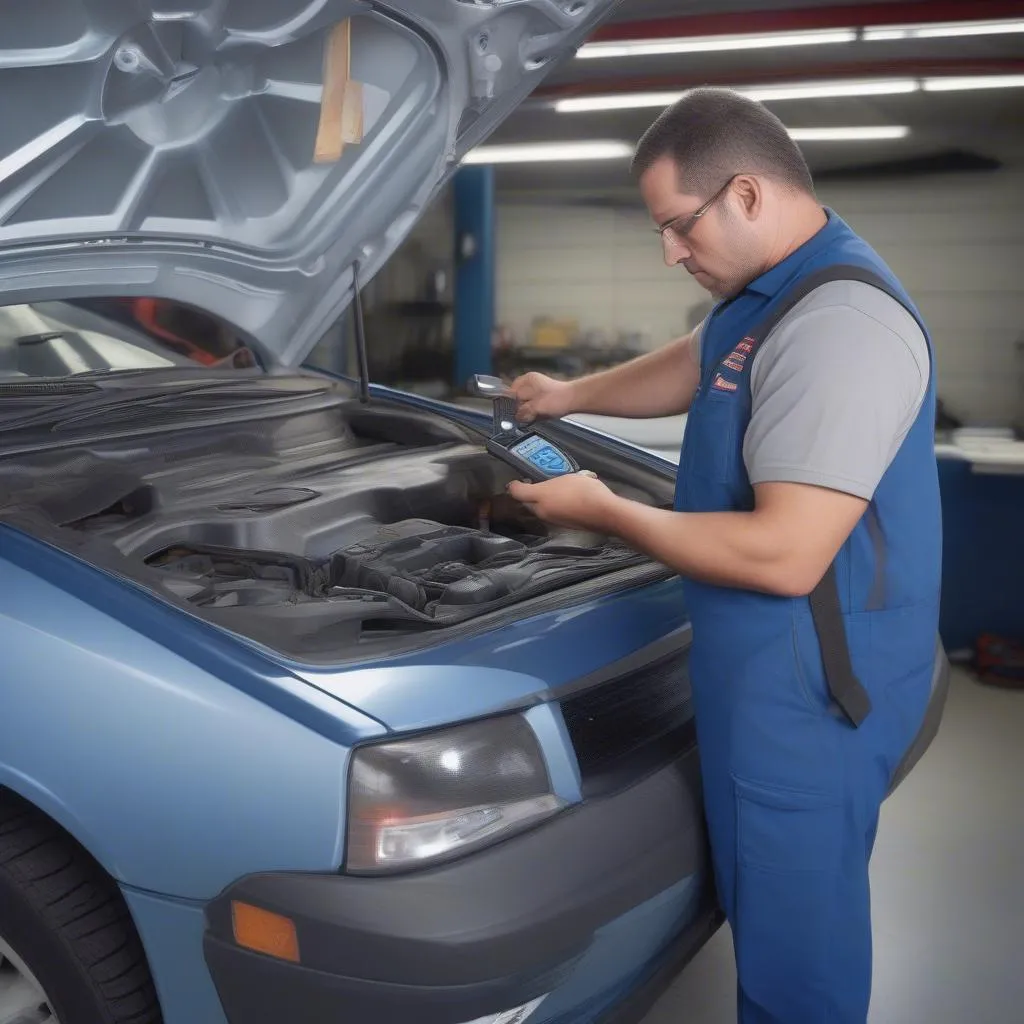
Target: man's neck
(802, 221)
(798, 222)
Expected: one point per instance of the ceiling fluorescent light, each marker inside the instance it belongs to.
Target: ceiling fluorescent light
(548, 152)
(865, 134)
(764, 93)
(717, 44)
(616, 101)
(554, 152)
(830, 90)
(956, 84)
(945, 30)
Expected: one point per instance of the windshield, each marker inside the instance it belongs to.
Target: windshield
(62, 339)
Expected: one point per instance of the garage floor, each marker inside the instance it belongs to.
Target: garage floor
(948, 889)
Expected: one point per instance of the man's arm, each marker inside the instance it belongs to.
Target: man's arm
(783, 547)
(660, 383)
(834, 392)
(835, 389)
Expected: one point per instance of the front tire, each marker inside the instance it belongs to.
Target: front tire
(66, 931)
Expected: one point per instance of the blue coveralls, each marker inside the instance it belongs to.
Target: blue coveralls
(792, 788)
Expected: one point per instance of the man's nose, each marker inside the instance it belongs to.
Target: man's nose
(674, 252)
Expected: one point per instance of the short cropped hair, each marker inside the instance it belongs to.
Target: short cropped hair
(712, 134)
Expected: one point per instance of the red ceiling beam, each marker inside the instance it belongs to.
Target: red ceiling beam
(910, 68)
(848, 16)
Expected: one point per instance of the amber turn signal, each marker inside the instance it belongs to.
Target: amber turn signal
(265, 932)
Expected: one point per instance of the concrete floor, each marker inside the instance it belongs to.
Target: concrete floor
(948, 885)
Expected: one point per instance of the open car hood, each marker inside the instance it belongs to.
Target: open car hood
(244, 156)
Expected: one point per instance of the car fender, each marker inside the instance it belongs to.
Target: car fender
(175, 780)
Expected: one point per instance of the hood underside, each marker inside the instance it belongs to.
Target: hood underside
(243, 156)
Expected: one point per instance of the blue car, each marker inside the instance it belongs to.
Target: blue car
(301, 718)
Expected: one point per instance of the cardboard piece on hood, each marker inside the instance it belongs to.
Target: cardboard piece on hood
(341, 107)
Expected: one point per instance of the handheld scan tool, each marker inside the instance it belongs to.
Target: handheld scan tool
(525, 450)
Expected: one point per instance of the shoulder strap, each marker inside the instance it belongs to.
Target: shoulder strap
(813, 281)
(826, 609)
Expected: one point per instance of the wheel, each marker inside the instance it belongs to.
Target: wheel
(69, 952)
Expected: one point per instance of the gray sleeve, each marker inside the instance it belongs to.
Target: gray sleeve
(835, 389)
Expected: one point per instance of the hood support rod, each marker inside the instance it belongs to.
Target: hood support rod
(360, 329)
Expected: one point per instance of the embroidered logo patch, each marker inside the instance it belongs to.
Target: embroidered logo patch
(736, 362)
(740, 352)
(737, 359)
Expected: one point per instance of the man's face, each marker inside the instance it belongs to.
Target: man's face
(719, 249)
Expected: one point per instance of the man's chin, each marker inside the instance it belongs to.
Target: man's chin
(716, 289)
(709, 284)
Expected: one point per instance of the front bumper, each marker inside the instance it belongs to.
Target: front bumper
(458, 942)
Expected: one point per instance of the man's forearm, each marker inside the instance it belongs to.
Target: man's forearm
(660, 383)
(783, 546)
(730, 549)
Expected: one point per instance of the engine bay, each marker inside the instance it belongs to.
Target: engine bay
(311, 531)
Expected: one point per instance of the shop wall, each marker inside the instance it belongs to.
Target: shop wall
(957, 243)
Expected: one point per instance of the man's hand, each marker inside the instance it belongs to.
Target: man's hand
(578, 500)
(542, 398)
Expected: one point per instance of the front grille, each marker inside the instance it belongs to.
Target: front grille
(637, 720)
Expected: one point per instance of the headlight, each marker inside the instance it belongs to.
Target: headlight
(427, 798)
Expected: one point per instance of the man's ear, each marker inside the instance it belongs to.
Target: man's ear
(751, 195)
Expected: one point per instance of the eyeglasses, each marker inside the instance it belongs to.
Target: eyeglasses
(682, 225)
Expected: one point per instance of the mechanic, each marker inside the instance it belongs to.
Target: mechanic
(806, 527)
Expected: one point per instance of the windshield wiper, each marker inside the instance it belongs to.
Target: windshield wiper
(35, 388)
(91, 381)
(141, 401)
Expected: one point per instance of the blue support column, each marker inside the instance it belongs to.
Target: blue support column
(473, 194)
